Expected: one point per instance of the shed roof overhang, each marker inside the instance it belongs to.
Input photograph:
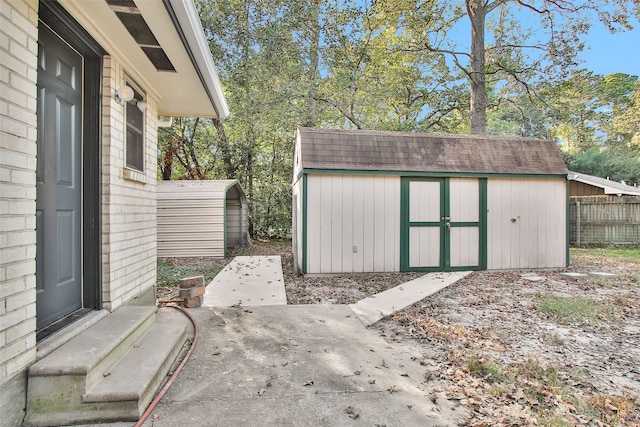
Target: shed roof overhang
(609, 187)
(193, 88)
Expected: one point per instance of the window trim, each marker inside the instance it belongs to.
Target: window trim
(139, 95)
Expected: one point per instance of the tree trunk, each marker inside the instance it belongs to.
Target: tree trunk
(477, 14)
(314, 54)
(225, 148)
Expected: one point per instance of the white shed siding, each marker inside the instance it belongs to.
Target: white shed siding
(353, 223)
(464, 203)
(526, 223)
(191, 218)
(425, 201)
(425, 247)
(464, 199)
(464, 246)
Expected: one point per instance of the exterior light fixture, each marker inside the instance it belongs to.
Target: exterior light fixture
(142, 105)
(124, 94)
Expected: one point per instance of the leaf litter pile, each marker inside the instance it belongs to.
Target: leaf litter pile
(518, 348)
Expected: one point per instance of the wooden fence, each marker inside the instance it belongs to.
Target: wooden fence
(604, 220)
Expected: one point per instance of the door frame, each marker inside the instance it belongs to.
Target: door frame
(444, 225)
(54, 16)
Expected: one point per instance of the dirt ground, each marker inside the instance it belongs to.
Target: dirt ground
(518, 348)
(515, 348)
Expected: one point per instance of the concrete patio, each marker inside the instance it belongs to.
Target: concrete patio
(260, 362)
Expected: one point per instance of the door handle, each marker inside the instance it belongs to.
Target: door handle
(448, 224)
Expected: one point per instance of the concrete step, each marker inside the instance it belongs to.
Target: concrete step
(108, 373)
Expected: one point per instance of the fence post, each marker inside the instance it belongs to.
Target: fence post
(578, 222)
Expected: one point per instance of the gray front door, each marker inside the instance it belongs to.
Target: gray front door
(59, 183)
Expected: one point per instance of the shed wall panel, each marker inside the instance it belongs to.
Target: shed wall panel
(358, 225)
(353, 223)
(422, 195)
(425, 247)
(526, 223)
(464, 199)
(339, 222)
(464, 244)
(193, 217)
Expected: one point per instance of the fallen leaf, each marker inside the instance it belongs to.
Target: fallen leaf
(308, 383)
(353, 412)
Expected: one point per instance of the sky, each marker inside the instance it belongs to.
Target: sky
(612, 53)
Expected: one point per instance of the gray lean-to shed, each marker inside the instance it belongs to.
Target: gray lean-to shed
(200, 218)
(366, 201)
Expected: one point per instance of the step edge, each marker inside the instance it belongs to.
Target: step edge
(46, 367)
(168, 358)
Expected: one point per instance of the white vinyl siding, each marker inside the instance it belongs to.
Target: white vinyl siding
(526, 223)
(353, 224)
(191, 218)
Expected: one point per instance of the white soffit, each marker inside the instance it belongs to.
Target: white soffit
(193, 90)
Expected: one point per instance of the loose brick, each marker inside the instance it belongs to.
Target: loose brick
(192, 292)
(193, 302)
(190, 282)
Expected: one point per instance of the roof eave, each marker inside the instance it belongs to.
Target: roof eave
(187, 21)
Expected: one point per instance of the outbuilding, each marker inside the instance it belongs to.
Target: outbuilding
(201, 218)
(369, 201)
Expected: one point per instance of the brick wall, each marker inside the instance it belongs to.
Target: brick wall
(128, 202)
(18, 60)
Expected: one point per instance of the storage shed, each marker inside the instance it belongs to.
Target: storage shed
(589, 185)
(366, 201)
(200, 218)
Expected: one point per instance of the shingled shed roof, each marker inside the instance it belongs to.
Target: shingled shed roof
(415, 152)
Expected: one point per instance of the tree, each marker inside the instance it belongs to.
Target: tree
(516, 42)
(627, 123)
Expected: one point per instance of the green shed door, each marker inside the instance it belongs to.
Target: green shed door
(443, 224)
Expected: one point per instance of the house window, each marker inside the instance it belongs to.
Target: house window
(135, 132)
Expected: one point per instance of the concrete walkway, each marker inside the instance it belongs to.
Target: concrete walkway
(248, 281)
(378, 306)
(260, 362)
(300, 365)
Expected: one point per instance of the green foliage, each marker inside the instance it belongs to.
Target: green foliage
(608, 255)
(571, 309)
(486, 368)
(621, 164)
(170, 272)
